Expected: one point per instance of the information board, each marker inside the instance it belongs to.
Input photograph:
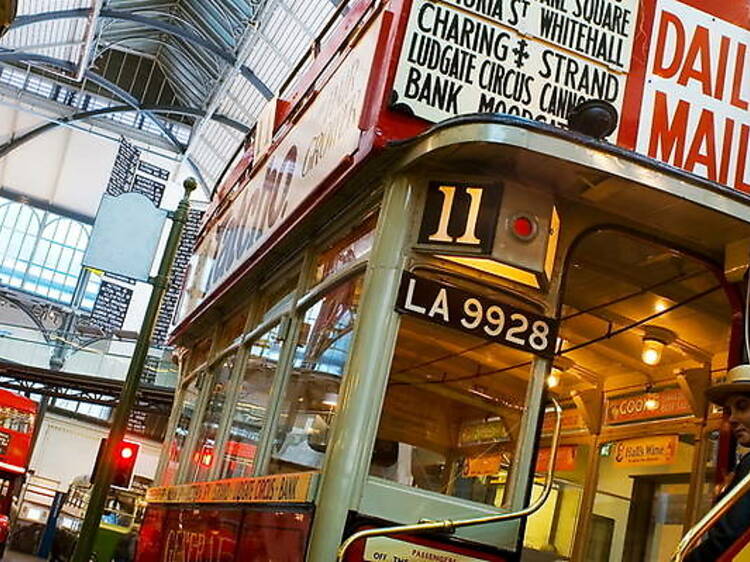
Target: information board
(123, 170)
(535, 59)
(152, 189)
(111, 306)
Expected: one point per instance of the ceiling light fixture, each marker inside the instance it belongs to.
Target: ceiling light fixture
(654, 340)
(652, 400)
(559, 366)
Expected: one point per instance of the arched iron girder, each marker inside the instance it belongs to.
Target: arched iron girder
(134, 103)
(84, 115)
(100, 81)
(153, 23)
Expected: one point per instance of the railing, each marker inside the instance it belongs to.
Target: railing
(103, 357)
(692, 537)
(448, 526)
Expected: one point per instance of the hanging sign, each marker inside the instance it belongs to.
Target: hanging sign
(566, 458)
(482, 433)
(648, 406)
(537, 60)
(477, 315)
(571, 421)
(646, 451)
(483, 465)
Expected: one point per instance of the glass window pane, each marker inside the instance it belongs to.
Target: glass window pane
(251, 407)
(309, 405)
(463, 445)
(187, 411)
(347, 250)
(203, 457)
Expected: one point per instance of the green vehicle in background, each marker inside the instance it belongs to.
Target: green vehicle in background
(115, 539)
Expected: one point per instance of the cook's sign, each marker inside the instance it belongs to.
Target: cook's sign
(492, 320)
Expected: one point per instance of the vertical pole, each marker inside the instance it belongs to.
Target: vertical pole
(103, 478)
(363, 389)
(591, 484)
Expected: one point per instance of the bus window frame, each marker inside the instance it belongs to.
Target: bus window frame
(303, 304)
(264, 316)
(516, 491)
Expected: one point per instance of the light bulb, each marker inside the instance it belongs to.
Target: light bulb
(553, 380)
(651, 353)
(651, 403)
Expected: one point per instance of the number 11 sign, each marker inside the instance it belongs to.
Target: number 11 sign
(488, 319)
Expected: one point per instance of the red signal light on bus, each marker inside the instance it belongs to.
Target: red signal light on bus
(523, 226)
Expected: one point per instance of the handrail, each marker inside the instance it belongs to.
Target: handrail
(709, 519)
(449, 526)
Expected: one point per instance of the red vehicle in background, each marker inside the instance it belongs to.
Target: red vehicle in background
(17, 416)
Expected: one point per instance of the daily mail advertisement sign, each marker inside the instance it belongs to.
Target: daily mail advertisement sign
(697, 93)
(536, 59)
(324, 135)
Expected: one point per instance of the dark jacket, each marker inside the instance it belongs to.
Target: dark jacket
(730, 527)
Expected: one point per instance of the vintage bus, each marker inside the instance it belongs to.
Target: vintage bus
(462, 294)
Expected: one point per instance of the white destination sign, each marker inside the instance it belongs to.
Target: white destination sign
(324, 135)
(455, 62)
(600, 30)
(383, 549)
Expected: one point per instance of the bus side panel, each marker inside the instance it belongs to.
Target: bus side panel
(224, 533)
(275, 534)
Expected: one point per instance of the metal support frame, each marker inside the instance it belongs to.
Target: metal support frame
(83, 388)
(84, 115)
(134, 103)
(354, 428)
(153, 23)
(105, 472)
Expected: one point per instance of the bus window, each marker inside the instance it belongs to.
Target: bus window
(252, 404)
(189, 400)
(311, 398)
(202, 459)
(451, 414)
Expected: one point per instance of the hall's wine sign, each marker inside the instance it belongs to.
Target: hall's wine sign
(477, 315)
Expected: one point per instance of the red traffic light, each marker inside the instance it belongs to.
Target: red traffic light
(127, 451)
(123, 459)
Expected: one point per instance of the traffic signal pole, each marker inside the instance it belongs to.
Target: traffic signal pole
(103, 478)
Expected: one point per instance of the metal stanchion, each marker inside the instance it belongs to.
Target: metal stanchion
(104, 475)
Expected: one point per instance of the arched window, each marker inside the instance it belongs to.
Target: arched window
(43, 253)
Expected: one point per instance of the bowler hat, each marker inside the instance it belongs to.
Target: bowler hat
(737, 382)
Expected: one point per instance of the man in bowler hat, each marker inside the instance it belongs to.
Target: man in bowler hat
(733, 395)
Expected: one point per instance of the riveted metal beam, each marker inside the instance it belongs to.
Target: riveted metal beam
(84, 115)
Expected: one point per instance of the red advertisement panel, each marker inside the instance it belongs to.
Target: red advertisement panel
(687, 99)
(275, 535)
(210, 534)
